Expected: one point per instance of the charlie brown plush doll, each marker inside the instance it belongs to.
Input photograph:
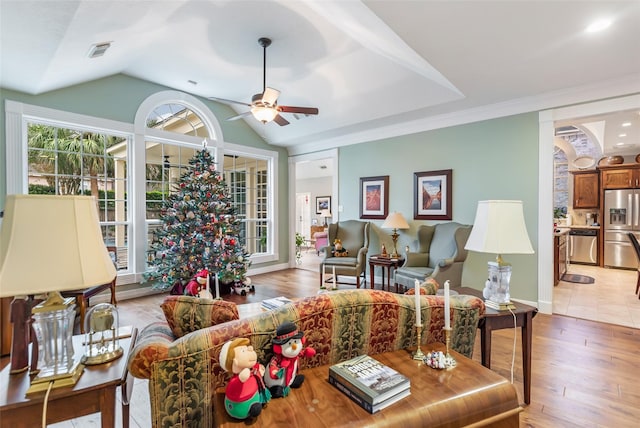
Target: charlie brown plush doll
(246, 393)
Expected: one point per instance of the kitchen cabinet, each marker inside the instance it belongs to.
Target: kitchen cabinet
(586, 191)
(560, 259)
(625, 177)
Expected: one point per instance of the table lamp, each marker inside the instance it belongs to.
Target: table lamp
(326, 214)
(395, 221)
(499, 228)
(48, 244)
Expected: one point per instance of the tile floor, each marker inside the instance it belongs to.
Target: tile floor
(610, 299)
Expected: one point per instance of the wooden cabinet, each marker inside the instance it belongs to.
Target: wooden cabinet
(627, 177)
(560, 257)
(586, 189)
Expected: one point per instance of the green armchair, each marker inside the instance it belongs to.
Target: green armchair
(440, 255)
(354, 235)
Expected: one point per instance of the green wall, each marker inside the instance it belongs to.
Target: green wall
(493, 159)
(118, 98)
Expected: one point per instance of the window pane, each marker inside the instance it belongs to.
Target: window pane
(177, 118)
(65, 161)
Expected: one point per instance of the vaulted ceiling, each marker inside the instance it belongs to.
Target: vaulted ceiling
(375, 69)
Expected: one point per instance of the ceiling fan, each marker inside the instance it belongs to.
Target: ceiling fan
(264, 106)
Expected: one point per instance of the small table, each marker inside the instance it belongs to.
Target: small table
(386, 263)
(94, 392)
(467, 395)
(497, 320)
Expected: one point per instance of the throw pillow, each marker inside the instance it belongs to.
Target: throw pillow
(189, 313)
(429, 286)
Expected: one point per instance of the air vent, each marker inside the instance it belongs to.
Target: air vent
(99, 49)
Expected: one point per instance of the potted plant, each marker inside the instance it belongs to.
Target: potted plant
(299, 243)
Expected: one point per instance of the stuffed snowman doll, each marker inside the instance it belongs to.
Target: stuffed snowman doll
(282, 371)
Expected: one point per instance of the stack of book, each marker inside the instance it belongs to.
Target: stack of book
(369, 383)
(274, 303)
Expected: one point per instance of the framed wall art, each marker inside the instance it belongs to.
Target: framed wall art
(323, 203)
(374, 197)
(432, 195)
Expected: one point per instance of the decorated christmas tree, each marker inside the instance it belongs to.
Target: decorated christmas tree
(199, 230)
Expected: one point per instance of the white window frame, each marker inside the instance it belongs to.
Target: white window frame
(18, 114)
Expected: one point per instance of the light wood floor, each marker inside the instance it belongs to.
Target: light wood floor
(584, 373)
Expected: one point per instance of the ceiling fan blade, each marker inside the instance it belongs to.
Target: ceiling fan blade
(239, 116)
(303, 110)
(270, 96)
(280, 120)
(225, 101)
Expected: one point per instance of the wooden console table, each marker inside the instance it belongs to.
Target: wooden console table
(94, 392)
(497, 320)
(468, 394)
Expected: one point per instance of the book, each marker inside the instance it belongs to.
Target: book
(368, 378)
(358, 399)
(274, 303)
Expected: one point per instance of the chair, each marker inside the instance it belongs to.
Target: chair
(82, 298)
(321, 240)
(440, 255)
(636, 246)
(354, 235)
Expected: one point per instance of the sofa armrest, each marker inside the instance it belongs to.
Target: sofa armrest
(416, 259)
(152, 345)
(445, 262)
(362, 256)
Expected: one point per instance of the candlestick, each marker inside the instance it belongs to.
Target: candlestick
(418, 355)
(447, 316)
(417, 297)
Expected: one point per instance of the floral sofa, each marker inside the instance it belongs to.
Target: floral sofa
(184, 372)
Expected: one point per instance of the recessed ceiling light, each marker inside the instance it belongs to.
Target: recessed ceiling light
(626, 124)
(622, 135)
(598, 25)
(620, 144)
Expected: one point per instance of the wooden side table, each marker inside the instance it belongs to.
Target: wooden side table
(498, 320)
(94, 392)
(386, 263)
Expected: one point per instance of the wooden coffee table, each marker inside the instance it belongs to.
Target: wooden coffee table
(94, 392)
(465, 395)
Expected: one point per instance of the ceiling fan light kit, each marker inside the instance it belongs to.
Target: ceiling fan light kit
(264, 106)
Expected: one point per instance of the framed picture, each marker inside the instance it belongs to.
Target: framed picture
(432, 195)
(323, 203)
(374, 197)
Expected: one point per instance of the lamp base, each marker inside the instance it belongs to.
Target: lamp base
(39, 384)
(499, 306)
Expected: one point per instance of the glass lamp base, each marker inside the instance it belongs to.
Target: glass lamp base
(497, 294)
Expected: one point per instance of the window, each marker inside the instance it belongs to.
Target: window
(65, 152)
(77, 161)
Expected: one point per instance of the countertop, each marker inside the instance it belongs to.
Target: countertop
(559, 231)
(583, 226)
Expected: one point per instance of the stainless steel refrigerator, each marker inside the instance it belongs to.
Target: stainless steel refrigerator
(621, 216)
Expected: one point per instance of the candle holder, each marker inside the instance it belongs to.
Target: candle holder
(450, 361)
(418, 355)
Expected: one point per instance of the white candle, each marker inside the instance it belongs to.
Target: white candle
(334, 276)
(418, 314)
(447, 320)
(217, 288)
(208, 281)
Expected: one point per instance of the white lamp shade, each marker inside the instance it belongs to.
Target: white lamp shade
(499, 228)
(395, 220)
(51, 243)
(325, 213)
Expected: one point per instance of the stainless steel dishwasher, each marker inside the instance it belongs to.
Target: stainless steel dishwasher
(583, 246)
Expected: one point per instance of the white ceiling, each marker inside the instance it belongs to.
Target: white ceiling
(375, 69)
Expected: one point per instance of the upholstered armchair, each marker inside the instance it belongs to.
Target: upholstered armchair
(354, 236)
(321, 240)
(440, 255)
